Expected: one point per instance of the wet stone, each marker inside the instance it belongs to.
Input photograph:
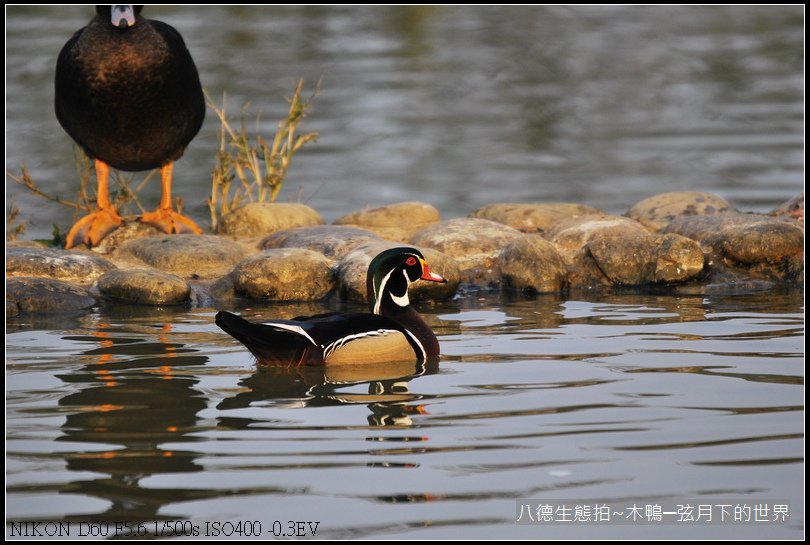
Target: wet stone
(262, 219)
(145, 287)
(12, 309)
(222, 289)
(333, 241)
(584, 273)
(793, 208)
(533, 217)
(474, 243)
(572, 235)
(46, 295)
(398, 222)
(677, 259)
(129, 230)
(393, 215)
(624, 261)
(534, 265)
(765, 246)
(657, 211)
(52, 263)
(640, 261)
(188, 256)
(284, 274)
(352, 271)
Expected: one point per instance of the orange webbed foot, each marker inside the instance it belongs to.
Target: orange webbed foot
(169, 221)
(92, 228)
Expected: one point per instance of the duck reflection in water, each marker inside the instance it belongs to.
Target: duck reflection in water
(389, 398)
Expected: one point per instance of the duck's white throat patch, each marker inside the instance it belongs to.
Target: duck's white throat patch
(402, 300)
(399, 300)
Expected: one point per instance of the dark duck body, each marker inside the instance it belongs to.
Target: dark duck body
(393, 331)
(128, 92)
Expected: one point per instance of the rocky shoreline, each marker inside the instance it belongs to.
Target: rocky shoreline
(680, 243)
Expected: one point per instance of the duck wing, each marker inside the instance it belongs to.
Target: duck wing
(334, 338)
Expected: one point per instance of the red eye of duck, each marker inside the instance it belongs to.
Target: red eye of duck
(411, 261)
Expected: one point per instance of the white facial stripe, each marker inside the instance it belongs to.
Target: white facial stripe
(294, 329)
(377, 298)
(403, 300)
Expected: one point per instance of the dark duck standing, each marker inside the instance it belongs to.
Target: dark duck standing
(127, 91)
(394, 332)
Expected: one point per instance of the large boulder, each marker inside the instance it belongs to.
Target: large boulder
(74, 266)
(572, 235)
(333, 241)
(188, 256)
(398, 221)
(657, 211)
(603, 250)
(474, 243)
(763, 246)
(145, 287)
(27, 294)
(533, 217)
(534, 265)
(284, 274)
(262, 219)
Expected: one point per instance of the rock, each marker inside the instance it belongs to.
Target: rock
(222, 289)
(145, 287)
(52, 263)
(284, 274)
(602, 250)
(793, 208)
(353, 269)
(533, 264)
(130, 230)
(724, 281)
(764, 246)
(27, 244)
(31, 294)
(188, 256)
(657, 211)
(677, 259)
(393, 215)
(627, 261)
(584, 274)
(398, 222)
(262, 219)
(402, 234)
(532, 217)
(333, 241)
(572, 235)
(474, 243)
(12, 308)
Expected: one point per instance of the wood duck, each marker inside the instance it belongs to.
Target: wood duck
(392, 332)
(128, 93)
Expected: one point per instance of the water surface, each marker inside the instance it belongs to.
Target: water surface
(157, 415)
(464, 106)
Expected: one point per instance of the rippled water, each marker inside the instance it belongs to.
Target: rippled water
(153, 415)
(465, 106)
(130, 413)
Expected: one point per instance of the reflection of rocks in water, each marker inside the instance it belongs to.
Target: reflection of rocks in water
(322, 386)
(129, 409)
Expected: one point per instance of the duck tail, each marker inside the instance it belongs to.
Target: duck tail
(271, 344)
